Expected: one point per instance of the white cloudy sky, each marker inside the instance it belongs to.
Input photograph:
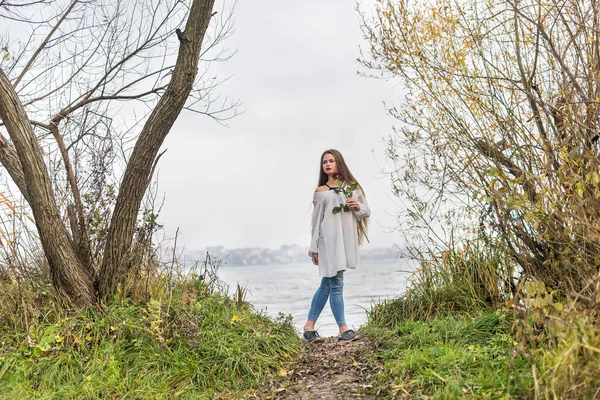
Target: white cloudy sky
(251, 183)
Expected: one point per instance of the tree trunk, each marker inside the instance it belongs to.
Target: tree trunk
(68, 273)
(138, 171)
(10, 160)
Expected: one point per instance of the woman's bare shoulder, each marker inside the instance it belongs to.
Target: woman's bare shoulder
(321, 189)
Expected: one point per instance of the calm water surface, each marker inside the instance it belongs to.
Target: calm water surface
(289, 289)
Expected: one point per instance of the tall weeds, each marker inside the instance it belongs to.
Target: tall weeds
(450, 280)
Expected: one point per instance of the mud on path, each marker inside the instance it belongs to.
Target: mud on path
(328, 370)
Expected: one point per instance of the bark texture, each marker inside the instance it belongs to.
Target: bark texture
(68, 273)
(156, 128)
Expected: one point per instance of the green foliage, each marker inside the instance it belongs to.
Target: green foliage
(452, 358)
(564, 338)
(192, 344)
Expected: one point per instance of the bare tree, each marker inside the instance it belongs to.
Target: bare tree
(58, 95)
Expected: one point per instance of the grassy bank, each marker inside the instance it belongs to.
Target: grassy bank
(185, 345)
(456, 333)
(451, 358)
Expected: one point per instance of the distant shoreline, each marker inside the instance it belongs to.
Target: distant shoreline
(287, 254)
(306, 261)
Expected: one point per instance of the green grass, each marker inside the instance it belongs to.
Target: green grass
(172, 349)
(432, 347)
(451, 358)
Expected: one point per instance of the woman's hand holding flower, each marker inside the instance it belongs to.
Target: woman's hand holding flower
(352, 203)
(346, 191)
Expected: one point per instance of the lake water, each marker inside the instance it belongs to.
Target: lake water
(289, 289)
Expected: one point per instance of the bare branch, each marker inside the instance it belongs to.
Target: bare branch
(44, 43)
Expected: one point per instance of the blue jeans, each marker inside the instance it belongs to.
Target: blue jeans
(333, 289)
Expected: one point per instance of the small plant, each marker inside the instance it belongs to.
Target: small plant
(285, 320)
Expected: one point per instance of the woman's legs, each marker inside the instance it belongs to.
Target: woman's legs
(317, 304)
(336, 299)
(332, 288)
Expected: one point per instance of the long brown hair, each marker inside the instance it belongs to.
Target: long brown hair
(346, 177)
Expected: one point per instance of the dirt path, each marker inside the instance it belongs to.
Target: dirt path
(328, 370)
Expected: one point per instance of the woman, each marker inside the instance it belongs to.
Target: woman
(335, 240)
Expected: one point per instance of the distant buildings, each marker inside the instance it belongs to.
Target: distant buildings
(286, 254)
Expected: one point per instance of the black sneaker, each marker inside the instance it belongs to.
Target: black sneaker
(311, 336)
(347, 336)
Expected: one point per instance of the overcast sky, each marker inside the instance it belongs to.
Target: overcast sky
(251, 183)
